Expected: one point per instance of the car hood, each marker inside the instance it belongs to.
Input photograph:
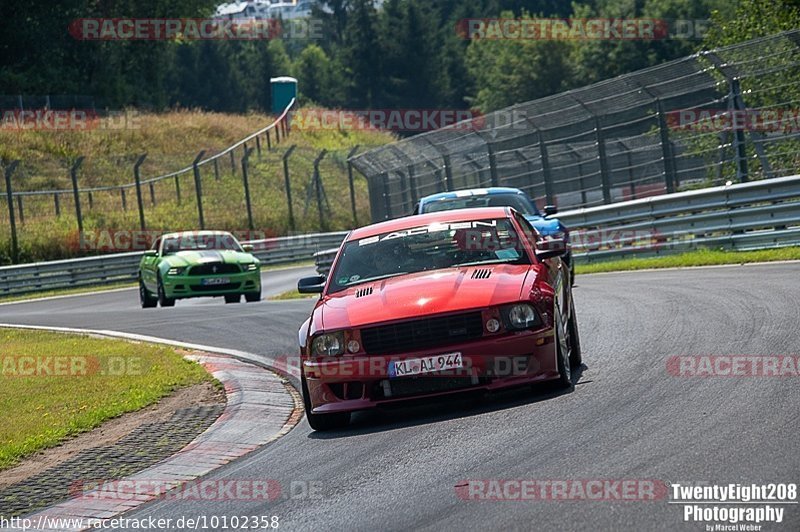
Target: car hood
(191, 258)
(545, 226)
(420, 294)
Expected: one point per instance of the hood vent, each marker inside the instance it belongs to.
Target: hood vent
(481, 273)
(361, 292)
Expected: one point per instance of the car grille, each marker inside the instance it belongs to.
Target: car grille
(422, 334)
(208, 269)
(420, 386)
(215, 287)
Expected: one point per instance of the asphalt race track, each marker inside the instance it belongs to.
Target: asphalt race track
(628, 417)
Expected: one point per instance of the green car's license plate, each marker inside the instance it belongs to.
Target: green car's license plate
(215, 281)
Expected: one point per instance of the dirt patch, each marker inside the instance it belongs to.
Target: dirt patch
(112, 431)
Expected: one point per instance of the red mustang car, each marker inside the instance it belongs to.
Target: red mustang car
(436, 304)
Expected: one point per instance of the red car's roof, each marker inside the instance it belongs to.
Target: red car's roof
(409, 222)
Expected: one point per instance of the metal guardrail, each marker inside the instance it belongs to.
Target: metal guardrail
(755, 215)
(123, 267)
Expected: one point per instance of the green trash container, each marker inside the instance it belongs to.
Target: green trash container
(284, 89)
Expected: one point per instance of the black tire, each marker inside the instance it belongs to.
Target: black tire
(232, 298)
(252, 297)
(575, 356)
(163, 300)
(145, 298)
(562, 354)
(323, 422)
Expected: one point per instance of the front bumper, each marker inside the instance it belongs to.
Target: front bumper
(184, 286)
(349, 383)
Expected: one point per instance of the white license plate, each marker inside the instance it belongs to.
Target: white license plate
(215, 281)
(419, 366)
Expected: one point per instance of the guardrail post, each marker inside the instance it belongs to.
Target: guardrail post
(73, 173)
(138, 182)
(601, 154)
(323, 224)
(245, 163)
(352, 184)
(178, 189)
(56, 204)
(21, 210)
(198, 187)
(666, 149)
(10, 197)
(288, 184)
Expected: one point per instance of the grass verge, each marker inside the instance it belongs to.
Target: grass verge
(292, 294)
(55, 385)
(703, 257)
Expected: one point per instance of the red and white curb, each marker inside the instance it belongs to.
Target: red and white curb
(261, 407)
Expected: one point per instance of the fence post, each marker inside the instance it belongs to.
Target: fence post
(548, 179)
(323, 224)
(57, 205)
(738, 132)
(198, 187)
(10, 197)
(152, 193)
(245, 163)
(124, 200)
(216, 168)
(138, 182)
(21, 210)
(288, 184)
(269, 141)
(666, 149)
(258, 146)
(73, 172)
(233, 164)
(178, 189)
(387, 203)
(448, 172)
(601, 154)
(277, 133)
(352, 184)
(492, 165)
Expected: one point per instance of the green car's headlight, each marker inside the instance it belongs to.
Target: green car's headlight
(176, 271)
(328, 344)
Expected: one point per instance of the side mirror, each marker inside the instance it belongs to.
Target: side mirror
(311, 285)
(550, 210)
(548, 247)
(247, 248)
(150, 253)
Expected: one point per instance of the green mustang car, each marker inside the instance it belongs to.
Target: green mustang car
(198, 264)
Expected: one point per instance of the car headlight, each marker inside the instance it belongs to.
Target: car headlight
(330, 344)
(176, 271)
(521, 316)
(251, 267)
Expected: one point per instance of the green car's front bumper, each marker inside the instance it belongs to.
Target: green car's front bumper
(184, 286)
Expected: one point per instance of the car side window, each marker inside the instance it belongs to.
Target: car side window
(157, 245)
(527, 229)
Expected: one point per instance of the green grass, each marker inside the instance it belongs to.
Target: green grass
(293, 294)
(704, 257)
(172, 140)
(66, 292)
(104, 379)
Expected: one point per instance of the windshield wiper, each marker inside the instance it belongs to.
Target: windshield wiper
(488, 261)
(378, 278)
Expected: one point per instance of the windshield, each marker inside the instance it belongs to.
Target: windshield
(430, 247)
(192, 242)
(517, 201)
